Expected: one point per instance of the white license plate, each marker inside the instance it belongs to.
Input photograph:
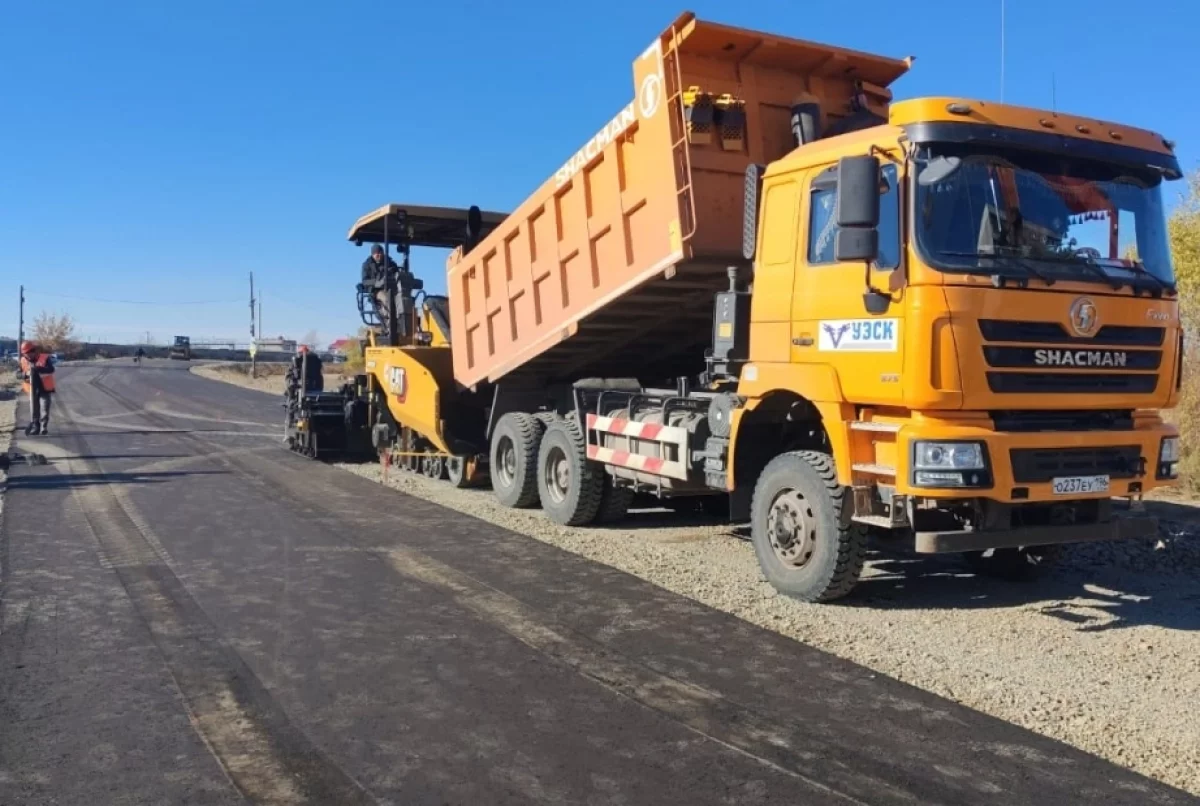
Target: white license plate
(1079, 485)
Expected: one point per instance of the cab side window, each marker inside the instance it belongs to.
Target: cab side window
(822, 221)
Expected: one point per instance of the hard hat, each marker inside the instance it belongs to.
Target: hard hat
(27, 347)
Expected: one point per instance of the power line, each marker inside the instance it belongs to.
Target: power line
(134, 301)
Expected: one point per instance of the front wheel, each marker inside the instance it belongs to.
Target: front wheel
(804, 539)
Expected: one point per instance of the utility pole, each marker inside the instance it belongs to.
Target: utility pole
(253, 338)
(21, 319)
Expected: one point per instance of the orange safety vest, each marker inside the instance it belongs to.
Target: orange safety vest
(42, 362)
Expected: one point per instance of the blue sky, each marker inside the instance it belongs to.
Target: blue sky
(157, 151)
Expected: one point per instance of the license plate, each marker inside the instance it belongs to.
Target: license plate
(1080, 485)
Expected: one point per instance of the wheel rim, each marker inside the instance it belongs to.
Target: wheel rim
(432, 466)
(791, 529)
(506, 466)
(557, 475)
(455, 467)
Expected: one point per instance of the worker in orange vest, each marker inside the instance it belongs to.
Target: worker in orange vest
(37, 381)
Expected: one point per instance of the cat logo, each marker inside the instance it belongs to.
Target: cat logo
(1083, 317)
(397, 382)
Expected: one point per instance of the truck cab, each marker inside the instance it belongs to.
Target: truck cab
(977, 304)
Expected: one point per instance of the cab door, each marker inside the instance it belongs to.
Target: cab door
(830, 323)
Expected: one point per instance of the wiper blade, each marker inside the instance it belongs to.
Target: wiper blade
(1138, 267)
(1088, 263)
(1023, 264)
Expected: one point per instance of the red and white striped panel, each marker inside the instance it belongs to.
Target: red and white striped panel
(628, 428)
(636, 461)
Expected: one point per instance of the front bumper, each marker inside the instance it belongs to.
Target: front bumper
(1118, 528)
(1003, 484)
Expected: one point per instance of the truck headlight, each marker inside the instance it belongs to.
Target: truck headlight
(948, 456)
(1168, 458)
(950, 464)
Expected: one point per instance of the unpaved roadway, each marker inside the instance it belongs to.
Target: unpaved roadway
(190, 614)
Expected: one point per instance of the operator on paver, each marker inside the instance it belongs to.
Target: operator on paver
(37, 381)
(374, 276)
(311, 370)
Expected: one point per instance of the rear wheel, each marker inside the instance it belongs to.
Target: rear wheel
(614, 504)
(806, 544)
(570, 486)
(513, 459)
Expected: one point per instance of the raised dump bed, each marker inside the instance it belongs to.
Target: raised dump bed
(610, 267)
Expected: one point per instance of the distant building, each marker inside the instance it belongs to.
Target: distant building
(277, 345)
(339, 347)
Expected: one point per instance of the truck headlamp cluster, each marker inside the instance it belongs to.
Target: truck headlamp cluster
(938, 463)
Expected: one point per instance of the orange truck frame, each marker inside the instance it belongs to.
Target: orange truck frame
(764, 284)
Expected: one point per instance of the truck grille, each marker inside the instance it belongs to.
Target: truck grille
(1039, 465)
(1059, 420)
(1055, 333)
(1070, 383)
(1066, 364)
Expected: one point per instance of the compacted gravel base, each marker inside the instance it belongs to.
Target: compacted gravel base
(1101, 650)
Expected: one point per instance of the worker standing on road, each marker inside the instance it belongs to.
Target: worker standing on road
(37, 381)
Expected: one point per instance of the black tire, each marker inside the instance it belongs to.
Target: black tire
(815, 553)
(514, 479)
(1012, 564)
(614, 504)
(570, 486)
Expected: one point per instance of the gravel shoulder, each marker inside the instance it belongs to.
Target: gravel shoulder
(1102, 651)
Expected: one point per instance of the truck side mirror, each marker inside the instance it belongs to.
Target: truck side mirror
(858, 222)
(857, 209)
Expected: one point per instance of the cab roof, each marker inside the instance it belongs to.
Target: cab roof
(966, 110)
(437, 227)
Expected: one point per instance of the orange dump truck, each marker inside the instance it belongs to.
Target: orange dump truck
(764, 284)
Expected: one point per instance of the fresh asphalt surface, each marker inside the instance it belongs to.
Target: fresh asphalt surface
(191, 614)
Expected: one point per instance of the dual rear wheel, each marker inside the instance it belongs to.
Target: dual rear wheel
(544, 460)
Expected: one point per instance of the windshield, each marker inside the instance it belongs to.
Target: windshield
(1040, 214)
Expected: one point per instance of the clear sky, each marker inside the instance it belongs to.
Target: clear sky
(160, 151)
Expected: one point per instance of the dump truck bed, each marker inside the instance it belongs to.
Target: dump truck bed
(610, 267)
